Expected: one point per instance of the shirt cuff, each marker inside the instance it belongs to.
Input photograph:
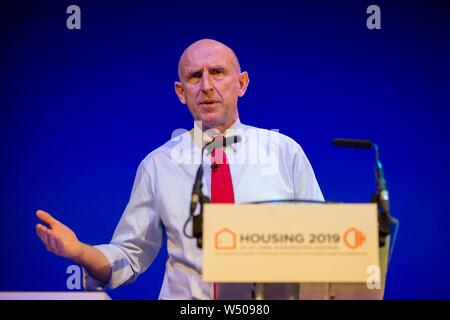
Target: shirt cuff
(120, 266)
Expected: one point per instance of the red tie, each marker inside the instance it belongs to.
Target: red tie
(221, 183)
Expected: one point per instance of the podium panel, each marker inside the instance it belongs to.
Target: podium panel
(290, 243)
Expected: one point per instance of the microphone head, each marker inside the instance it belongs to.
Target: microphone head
(223, 142)
(353, 143)
(232, 139)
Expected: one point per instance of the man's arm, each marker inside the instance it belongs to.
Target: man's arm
(62, 241)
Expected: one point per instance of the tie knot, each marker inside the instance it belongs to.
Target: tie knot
(218, 156)
(219, 141)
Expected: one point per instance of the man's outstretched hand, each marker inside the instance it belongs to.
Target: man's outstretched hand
(57, 237)
(62, 241)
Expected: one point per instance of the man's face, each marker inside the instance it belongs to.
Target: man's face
(210, 84)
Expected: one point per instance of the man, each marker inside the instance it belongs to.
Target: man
(264, 165)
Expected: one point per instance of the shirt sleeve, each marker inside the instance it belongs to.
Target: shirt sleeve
(137, 238)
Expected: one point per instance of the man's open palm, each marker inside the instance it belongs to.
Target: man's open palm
(57, 237)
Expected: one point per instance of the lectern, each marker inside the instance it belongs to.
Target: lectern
(296, 250)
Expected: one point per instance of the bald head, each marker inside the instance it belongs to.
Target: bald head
(210, 83)
(205, 47)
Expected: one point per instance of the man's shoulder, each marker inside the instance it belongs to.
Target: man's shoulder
(272, 136)
(174, 146)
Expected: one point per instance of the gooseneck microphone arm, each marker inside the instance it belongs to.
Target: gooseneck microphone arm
(198, 198)
(381, 197)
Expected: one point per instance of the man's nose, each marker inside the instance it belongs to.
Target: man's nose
(206, 83)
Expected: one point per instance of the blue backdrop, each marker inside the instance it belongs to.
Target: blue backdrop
(81, 108)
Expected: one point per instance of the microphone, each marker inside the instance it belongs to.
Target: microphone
(197, 195)
(352, 143)
(225, 142)
(197, 189)
(382, 194)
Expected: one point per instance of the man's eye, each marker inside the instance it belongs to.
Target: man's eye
(216, 71)
(195, 75)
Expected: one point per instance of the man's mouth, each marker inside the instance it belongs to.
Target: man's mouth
(208, 102)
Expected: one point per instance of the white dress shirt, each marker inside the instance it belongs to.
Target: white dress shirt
(265, 165)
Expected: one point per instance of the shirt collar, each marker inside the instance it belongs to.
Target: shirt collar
(237, 128)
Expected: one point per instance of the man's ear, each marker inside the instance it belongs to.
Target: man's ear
(243, 83)
(180, 92)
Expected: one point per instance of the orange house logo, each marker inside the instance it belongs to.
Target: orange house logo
(354, 238)
(225, 239)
